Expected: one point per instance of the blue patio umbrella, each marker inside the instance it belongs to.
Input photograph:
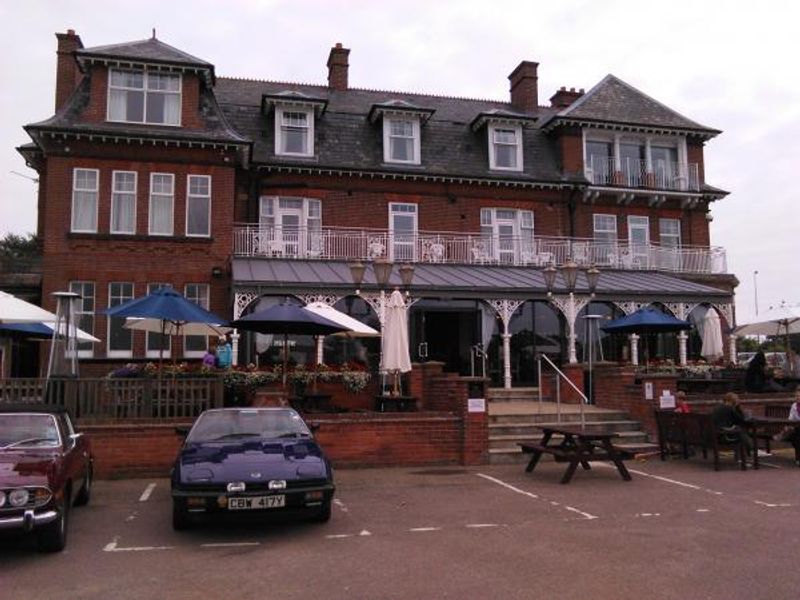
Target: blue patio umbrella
(645, 321)
(167, 306)
(286, 318)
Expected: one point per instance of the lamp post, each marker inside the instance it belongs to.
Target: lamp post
(569, 305)
(755, 289)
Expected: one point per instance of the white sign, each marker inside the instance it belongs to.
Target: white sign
(476, 405)
(667, 400)
(648, 390)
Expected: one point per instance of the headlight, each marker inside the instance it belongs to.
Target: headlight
(2, 498)
(18, 497)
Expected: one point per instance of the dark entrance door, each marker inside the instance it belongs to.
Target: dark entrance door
(445, 331)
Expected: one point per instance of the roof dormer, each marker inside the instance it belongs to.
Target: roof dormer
(402, 123)
(295, 116)
(504, 137)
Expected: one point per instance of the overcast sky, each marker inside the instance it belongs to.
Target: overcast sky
(727, 64)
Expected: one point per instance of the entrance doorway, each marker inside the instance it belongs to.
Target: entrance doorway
(445, 331)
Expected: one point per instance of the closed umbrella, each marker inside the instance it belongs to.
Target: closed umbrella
(712, 336)
(287, 319)
(394, 342)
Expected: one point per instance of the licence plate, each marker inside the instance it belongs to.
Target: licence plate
(256, 502)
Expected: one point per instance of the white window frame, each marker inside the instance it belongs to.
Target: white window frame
(272, 240)
(648, 141)
(189, 197)
(171, 196)
(114, 192)
(118, 353)
(405, 209)
(145, 91)
(415, 137)
(85, 190)
(205, 304)
(523, 236)
(517, 129)
(86, 349)
(279, 112)
(676, 236)
(595, 229)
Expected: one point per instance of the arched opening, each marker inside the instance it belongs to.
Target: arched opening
(445, 330)
(266, 349)
(340, 349)
(535, 327)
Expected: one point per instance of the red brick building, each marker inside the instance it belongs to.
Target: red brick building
(242, 192)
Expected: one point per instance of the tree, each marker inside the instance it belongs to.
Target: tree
(19, 246)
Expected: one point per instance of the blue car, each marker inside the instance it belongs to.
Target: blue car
(250, 461)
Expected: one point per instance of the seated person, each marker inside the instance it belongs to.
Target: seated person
(791, 433)
(730, 420)
(681, 406)
(758, 377)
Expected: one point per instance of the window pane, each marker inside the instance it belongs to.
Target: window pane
(199, 185)
(294, 141)
(402, 128)
(84, 310)
(197, 219)
(123, 213)
(401, 149)
(155, 107)
(84, 211)
(134, 106)
(295, 119)
(505, 136)
(197, 293)
(119, 338)
(505, 156)
(163, 82)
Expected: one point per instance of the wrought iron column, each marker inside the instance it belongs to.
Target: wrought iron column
(505, 309)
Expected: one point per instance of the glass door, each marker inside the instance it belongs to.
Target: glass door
(290, 219)
(639, 240)
(402, 231)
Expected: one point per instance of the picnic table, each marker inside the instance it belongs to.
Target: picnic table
(757, 425)
(579, 445)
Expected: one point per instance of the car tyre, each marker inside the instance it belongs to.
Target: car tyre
(53, 536)
(180, 518)
(323, 514)
(85, 493)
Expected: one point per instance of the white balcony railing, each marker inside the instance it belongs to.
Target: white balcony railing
(635, 174)
(345, 244)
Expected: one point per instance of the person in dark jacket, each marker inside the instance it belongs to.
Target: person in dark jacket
(730, 420)
(758, 377)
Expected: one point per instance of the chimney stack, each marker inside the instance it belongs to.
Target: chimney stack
(564, 97)
(68, 75)
(525, 87)
(337, 67)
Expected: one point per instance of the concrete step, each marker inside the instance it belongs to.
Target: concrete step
(513, 395)
(527, 428)
(532, 418)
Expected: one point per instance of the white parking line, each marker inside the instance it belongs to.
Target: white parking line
(583, 514)
(112, 547)
(424, 529)
(147, 491)
(480, 525)
(664, 479)
(341, 505)
(770, 505)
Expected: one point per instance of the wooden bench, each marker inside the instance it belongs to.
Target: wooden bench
(678, 432)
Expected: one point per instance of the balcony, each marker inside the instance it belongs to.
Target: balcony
(345, 244)
(635, 174)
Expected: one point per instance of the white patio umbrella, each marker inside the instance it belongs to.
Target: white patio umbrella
(15, 310)
(45, 330)
(712, 336)
(781, 320)
(395, 357)
(171, 328)
(355, 328)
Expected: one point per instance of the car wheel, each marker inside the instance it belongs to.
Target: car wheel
(53, 536)
(85, 493)
(323, 514)
(180, 518)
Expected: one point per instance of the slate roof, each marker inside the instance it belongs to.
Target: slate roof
(614, 101)
(215, 127)
(150, 50)
(345, 138)
(467, 281)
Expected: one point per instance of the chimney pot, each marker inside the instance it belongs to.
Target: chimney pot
(337, 67)
(525, 87)
(563, 97)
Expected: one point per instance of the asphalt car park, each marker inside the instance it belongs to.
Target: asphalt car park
(677, 530)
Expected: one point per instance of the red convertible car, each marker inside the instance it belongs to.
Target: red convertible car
(45, 469)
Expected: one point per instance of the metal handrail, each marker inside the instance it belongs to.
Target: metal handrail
(558, 389)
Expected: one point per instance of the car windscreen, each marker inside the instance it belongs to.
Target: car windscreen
(25, 430)
(243, 424)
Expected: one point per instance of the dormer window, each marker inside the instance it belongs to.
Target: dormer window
(141, 96)
(294, 131)
(505, 147)
(401, 140)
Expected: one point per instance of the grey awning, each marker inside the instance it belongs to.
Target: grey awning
(464, 281)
